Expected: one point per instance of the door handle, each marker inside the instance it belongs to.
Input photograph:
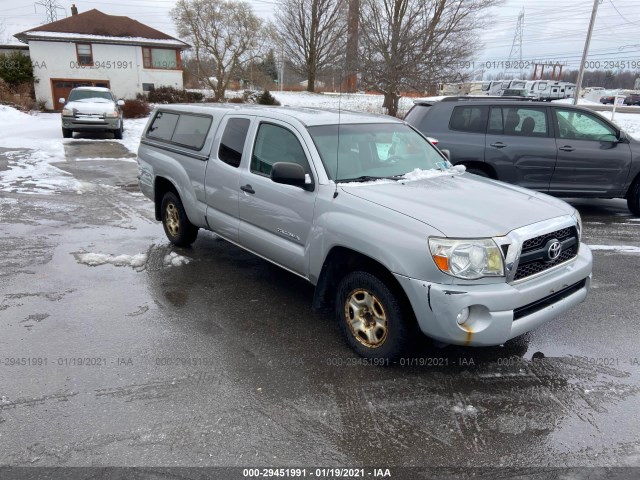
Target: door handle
(567, 148)
(498, 145)
(247, 188)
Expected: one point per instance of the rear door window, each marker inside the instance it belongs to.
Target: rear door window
(469, 119)
(522, 121)
(233, 139)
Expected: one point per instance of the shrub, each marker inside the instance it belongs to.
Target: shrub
(267, 99)
(16, 69)
(17, 96)
(137, 108)
(173, 95)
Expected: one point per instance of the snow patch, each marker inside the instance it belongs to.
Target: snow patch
(175, 260)
(616, 248)
(412, 176)
(97, 259)
(465, 410)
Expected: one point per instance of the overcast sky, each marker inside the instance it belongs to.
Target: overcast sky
(552, 29)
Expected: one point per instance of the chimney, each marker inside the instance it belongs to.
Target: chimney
(74, 10)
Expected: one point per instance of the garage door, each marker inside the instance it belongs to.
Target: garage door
(62, 87)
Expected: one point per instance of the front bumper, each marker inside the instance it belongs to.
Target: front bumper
(78, 124)
(491, 320)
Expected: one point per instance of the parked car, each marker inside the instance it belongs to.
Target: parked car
(563, 150)
(607, 99)
(90, 109)
(632, 99)
(365, 208)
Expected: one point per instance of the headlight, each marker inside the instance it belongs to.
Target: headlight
(113, 114)
(467, 258)
(576, 215)
(67, 112)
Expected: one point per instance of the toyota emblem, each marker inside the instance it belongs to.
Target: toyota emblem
(554, 249)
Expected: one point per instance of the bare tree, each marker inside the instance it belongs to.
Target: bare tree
(312, 33)
(407, 44)
(224, 35)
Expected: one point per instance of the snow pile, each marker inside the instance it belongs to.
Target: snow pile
(95, 259)
(138, 262)
(616, 248)
(175, 260)
(582, 101)
(465, 410)
(412, 176)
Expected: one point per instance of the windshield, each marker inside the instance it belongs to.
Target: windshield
(90, 95)
(379, 150)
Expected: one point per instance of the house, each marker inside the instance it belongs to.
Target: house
(96, 49)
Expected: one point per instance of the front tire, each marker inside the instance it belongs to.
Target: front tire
(179, 230)
(371, 317)
(633, 198)
(117, 134)
(67, 133)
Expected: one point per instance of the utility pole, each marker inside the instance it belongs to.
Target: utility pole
(51, 8)
(586, 51)
(351, 60)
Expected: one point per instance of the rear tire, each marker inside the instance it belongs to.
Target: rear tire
(179, 230)
(633, 198)
(371, 317)
(67, 133)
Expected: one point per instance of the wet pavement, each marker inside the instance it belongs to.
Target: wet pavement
(220, 361)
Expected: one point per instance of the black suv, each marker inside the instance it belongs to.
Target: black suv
(559, 149)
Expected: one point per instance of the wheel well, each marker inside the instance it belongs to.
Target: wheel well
(342, 260)
(631, 185)
(162, 186)
(488, 169)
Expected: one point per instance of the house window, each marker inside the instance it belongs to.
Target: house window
(161, 58)
(148, 87)
(85, 54)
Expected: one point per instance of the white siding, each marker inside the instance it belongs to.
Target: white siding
(58, 60)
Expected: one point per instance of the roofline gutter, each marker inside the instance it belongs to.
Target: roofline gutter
(26, 38)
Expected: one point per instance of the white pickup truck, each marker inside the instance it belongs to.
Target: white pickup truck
(366, 209)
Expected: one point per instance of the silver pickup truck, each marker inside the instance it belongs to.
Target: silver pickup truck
(393, 237)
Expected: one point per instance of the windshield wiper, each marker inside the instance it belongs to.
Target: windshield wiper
(369, 178)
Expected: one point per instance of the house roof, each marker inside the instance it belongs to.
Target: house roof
(100, 28)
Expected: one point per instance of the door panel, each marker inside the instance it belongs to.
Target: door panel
(222, 180)
(519, 146)
(276, 219)
(591, 161)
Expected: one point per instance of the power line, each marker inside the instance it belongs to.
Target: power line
(51, 8)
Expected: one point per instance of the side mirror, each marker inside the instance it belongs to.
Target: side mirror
(120, 103)
(61, 100)
(288, 174)
(446, 153)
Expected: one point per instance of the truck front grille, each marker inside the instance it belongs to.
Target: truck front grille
(533, 257)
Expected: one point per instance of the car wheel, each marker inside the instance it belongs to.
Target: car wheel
(67, 133)
(117, 134)
(633, 198)
(371, 317)
(179, 230)
(478, 172)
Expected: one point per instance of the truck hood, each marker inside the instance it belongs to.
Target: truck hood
(91, 108)
(464, 205)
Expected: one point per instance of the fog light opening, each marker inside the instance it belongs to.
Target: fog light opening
(462, 316)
